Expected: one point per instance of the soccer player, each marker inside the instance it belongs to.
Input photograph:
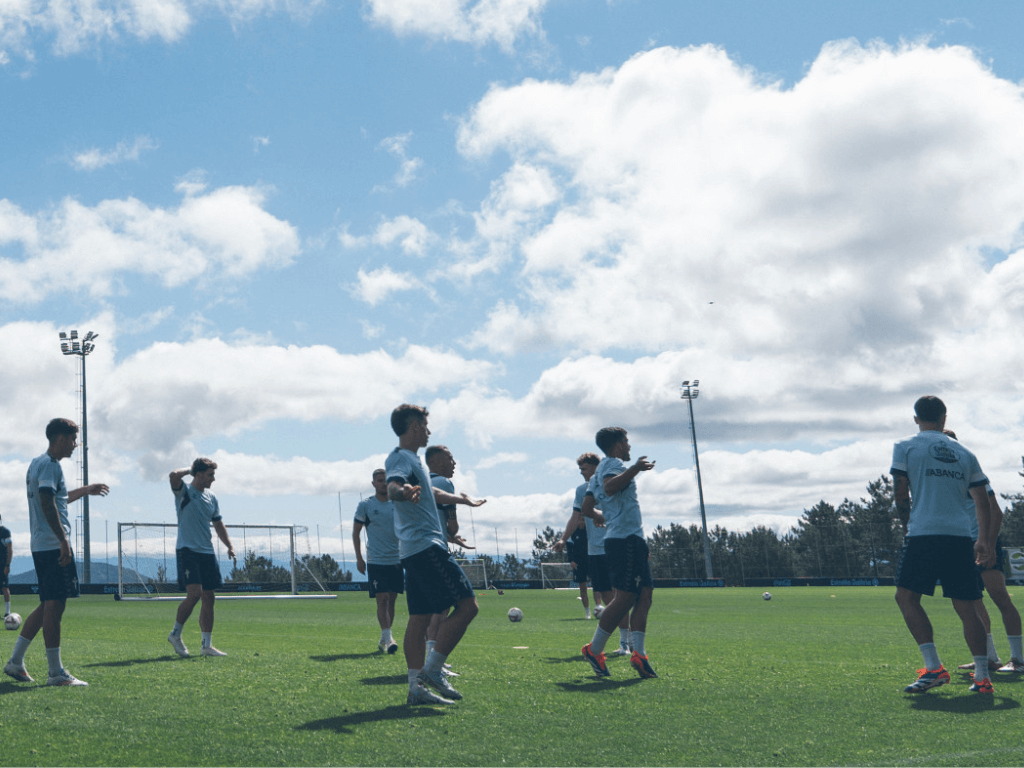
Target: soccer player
(578, 550)
(382, 565)
(434, 581)
(613, 488)
(198, 571)
(932, 475)
(992, 580)
(48, 500)
(8, 553)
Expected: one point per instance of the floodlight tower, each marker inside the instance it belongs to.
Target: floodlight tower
(689, 392)
(72, 346)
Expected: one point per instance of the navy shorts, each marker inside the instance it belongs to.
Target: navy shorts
(600, 578)
(629, 564)
(926, 560)
(581, 573)
(198, 568)
(434, 582)
(56, 581)
(385, 578)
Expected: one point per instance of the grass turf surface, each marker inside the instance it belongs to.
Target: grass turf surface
(813, 677)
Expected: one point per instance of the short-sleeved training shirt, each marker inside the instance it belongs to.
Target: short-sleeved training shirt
(5, 541)
(445, 484)
(595, 535)
(417, 525)
(621, 511)
(378, 517)
(972, 515)
(196, 510)
(45, 474)
(941, 472)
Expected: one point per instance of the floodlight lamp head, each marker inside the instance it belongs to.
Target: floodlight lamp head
(74, 334)
(687, 383)
(696, 382)
(63, 335)
(64, 348)
(75, 347)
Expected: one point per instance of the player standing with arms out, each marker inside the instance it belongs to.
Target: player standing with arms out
(48, 500)
(992, 580)
(382, 566)
(198, 571)
(613, 487)
(8, 553)
(932, 475)
(434, 582)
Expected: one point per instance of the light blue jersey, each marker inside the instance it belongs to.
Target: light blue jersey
(972, 515)
(941, 472)
(621, 511)
(417, 525)
(45, 473)
(595, 535)
(378, 517)
(196, 510)
(445, 484)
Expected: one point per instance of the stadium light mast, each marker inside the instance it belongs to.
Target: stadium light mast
(72, 346)
(689, 392)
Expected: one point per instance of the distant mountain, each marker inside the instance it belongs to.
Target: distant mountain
(102, 573)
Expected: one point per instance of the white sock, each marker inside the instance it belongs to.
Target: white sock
(624, 637)
(177, 629)
(1015, 647)
(207, 639)
(53, 659)
(993, 654)
(599, 641)
(980, 668)
(430, 646)
(435, 660)
(18, 654)
(931, 656)
(385, 636)
(638, 642)
(413, 674)
(7, 607)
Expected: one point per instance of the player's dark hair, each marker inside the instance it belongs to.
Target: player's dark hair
(930, 409)
(609, 436)
(201, 465)
(404, 415)
(58, 427)
(588, 458)
(379, 471)
(433, 450)
(950, 433)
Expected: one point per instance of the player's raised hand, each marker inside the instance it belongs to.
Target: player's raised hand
(456, 539)
(411, 493)
(643, 464)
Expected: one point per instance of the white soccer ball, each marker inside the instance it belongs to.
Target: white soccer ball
(598, 611)
(12, 621)
(767, 595)
(514, 614)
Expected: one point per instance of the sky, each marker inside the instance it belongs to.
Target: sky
(536, 217)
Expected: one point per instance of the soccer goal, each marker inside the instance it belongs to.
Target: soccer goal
(475, 571)
(557, 576)
(266, 565)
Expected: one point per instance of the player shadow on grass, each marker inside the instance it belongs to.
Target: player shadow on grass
(345, 656)
(596, 685)
(346, 722)
(963, 705)
(133, 662)
(385, 680)
(9, 686)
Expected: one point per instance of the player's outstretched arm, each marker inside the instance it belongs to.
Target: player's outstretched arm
(403, 492)
(93, 489)
(443, 497)
(616, 483)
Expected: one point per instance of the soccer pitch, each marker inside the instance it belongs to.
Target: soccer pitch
(813, 677)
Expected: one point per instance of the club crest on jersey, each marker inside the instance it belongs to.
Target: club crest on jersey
(943, 453)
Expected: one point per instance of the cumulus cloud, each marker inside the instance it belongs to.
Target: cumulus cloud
(412, 236)
(409, 167)
(225, 232)
(481, 22)
(95, 158)
(376, 286)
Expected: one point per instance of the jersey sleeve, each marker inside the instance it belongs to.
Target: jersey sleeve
(361, 517)
(899, 460)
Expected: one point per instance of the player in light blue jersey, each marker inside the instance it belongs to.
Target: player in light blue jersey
(433, 580)
(932, 475)
(614, 491)
(6, 554)
(48, 499)
(383, 566)
(992, 580)
(198, 571)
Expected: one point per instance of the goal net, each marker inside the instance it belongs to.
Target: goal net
(266, 564)
(557, 576)
(475, 571)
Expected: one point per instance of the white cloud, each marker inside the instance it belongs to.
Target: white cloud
(412, 235)
(485, 21)
(500, 459)
(376, 286)
(409, 167)
(223, 233)
(94, 159)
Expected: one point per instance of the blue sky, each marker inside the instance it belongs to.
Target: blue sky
(537, 217)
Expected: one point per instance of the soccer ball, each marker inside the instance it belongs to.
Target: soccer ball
(767, 595)
(514, 615)
(12, 621)
(598, 611)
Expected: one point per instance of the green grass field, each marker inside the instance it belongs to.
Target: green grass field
(813, 677)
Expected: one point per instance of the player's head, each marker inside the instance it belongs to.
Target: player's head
(62, 435)
(440, 460)
(406, 415)
(609, 437)
(587, 463)
(379, 480)
(202, 465)
(930, 409)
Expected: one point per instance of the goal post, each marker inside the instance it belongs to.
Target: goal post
(266, 566)
(557, 576)
(476, 572)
